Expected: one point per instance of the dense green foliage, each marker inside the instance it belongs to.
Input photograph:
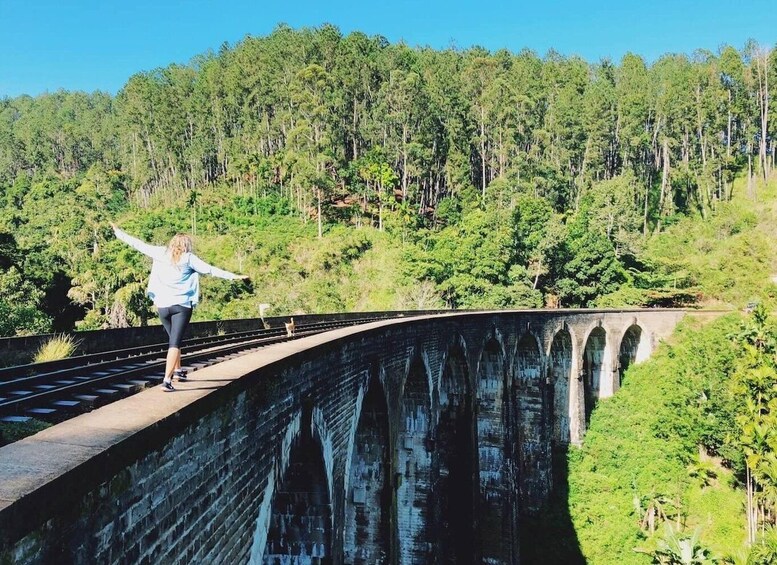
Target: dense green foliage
(641, 441)
(683, 450)
(488, 178)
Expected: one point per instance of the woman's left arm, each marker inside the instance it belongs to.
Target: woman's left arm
(206, 269)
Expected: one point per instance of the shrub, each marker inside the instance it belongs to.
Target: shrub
(58, 347)
(14, 431)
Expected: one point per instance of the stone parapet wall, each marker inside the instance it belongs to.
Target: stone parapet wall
(257, 456)
(20, 350)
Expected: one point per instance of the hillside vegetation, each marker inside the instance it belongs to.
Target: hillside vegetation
(683, 457)
(344, 172)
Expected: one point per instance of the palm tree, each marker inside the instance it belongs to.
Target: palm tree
(677, 549)
(764, 552)
(653, 509)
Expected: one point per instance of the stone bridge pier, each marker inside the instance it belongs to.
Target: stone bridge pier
(415, 440)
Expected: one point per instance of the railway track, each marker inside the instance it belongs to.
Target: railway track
(57, 390)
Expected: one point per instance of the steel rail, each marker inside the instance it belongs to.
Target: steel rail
(89, 380)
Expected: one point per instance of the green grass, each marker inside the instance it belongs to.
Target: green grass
(718, 511)
(729, 257)
(348, 269)
(14, 431)
(56, 348)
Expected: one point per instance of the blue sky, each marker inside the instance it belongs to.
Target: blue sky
(92, 45)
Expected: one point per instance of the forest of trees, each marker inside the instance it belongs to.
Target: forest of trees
(508, 179)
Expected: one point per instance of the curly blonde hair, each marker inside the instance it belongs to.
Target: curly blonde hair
(180, 244)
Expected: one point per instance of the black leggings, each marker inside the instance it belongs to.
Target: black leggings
(175, 319)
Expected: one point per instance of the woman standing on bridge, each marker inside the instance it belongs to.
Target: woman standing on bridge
(174, 286)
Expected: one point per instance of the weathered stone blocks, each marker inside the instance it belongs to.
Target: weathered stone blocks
(398, 442)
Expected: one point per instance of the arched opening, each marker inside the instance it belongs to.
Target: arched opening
(531, 436)
(633, 349)
(495, 494)
(453, 461)
(560, 375)
(551, 537)
(368, 500)
(595, 369)
(301, 518)
(414, 461)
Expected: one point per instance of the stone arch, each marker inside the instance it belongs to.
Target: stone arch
(494, 516)
(561, 364)
(273, 480)
(456, 346)
(300, 520)
(414, 464)
(531, 435)
(634, 348)
(417, 358)
(453, 461)
(495, 341)
(596, 369)
(368, 499)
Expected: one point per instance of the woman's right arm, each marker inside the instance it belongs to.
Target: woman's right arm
(145, 248)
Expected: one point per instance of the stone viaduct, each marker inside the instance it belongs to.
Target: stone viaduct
(413, 440)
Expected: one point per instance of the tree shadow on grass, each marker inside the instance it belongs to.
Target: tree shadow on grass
(550, 538)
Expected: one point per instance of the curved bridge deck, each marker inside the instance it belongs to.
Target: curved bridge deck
(398, 441)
